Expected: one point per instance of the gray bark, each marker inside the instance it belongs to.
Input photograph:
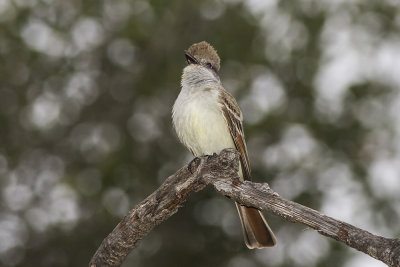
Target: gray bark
(221, 171)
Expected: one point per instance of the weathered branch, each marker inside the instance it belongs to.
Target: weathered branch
(221, 171)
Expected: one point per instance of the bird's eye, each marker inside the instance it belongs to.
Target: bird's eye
(208, 64)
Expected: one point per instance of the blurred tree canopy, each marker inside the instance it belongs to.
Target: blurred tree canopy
(86, 92)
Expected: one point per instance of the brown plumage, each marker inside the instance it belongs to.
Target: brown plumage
(256, 231)
(204, 53)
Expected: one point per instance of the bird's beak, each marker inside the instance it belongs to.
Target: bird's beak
(190, 59)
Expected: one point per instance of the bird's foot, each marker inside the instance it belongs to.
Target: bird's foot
(193, 165)
(212, 156)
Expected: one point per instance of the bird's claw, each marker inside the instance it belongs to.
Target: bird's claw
(193, 165)
(211, 156)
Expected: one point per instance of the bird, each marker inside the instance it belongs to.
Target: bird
(207, 119)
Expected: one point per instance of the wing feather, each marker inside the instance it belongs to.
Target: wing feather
(233, 117)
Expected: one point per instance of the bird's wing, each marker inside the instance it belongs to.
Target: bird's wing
(233, 117)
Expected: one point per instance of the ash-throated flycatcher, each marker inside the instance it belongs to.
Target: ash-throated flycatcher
(207, 120)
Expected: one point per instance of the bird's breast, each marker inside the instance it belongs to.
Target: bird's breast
(200, 124)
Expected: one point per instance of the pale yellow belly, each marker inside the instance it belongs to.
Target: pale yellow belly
(208, 133)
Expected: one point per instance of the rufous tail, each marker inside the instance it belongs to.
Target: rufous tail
(256, 231)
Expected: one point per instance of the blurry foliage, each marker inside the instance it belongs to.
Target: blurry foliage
(85, 102)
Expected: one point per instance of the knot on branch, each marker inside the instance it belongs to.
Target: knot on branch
(224, 165)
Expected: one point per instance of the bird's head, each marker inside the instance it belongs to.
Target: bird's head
(203, 54)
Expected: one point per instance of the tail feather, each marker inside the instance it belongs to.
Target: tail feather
(256, 231)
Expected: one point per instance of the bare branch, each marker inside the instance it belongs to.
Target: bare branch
(221, 171)
(161, 205)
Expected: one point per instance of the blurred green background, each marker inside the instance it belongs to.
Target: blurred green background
(86, 91)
